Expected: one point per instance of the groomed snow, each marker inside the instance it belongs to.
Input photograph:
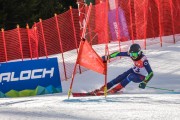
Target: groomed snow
(133, 104)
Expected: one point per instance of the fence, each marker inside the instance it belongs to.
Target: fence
(130, 20)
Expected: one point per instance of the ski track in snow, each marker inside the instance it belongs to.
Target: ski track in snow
(125, 106)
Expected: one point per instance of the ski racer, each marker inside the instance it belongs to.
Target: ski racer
(141, 72)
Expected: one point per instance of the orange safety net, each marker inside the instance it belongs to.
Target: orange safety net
(12, 45)
(129, 20)
(25, 43)
(134, 19)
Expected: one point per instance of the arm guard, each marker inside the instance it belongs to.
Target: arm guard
(114, 54)
(147, 78)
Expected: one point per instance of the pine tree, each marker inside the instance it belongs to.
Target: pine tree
(13, 12)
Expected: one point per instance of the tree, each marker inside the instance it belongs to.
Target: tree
(13, 12)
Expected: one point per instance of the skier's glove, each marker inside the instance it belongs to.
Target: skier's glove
(146, 80)
(112, 55)
(105, 58)
(142, 85)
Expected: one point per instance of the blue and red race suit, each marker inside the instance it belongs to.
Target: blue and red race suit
(141, 71)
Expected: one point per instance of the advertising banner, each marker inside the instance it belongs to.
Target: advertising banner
(120, 30)
(28, 78)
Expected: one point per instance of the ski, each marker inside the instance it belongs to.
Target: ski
(79, 94)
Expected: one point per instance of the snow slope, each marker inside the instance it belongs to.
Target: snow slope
(133, 104)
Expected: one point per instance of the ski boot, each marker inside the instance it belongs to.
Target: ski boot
(98, 91)
(115, 89)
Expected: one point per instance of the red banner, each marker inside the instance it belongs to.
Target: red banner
(88, 58)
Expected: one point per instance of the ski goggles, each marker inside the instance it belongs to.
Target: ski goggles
(134, 54)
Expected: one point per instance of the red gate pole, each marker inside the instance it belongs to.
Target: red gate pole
(172, 16)
(105, 77)
(74, 71)
(73, 75)
(36, 40)
(106, 49)
(82, 42)
(89, 28)
(30, 49)
(60, 44)
(20, 42)
(4, 43)
(87, 21)
(131, 25)
(160, 27)
(44, 41)
(70, 89)
(75, 37)
(118, 26)
(152, 21)
(81, 10)
(146, 6)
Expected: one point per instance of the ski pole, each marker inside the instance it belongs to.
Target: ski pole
(160, 88)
